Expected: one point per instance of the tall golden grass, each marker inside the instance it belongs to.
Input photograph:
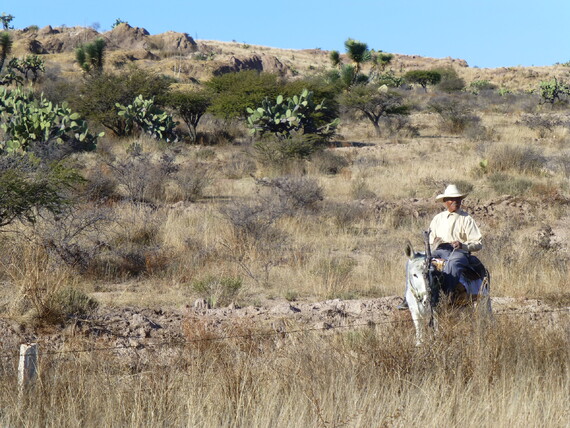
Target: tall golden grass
(510, 373)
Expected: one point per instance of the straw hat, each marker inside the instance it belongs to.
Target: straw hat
(450, 191)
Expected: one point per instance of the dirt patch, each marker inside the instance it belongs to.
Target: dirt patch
(122, 329)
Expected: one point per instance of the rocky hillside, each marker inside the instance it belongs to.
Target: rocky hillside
(181, 56)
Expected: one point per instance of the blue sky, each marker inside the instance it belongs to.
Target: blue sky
(485, 33)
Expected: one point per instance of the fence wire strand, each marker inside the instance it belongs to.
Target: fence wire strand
(182, 342)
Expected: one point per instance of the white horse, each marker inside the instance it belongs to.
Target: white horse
(423, 291)
(418, 292)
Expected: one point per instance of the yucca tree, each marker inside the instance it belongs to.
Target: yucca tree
(6, 19)
(5, 48)
(358, 52)
(90, 56)
(334, 56)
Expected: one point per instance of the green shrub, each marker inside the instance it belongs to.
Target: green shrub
(233, 93)
(478, 86)
(275, 152)
(70, 302)
(98, 98)
(28, 186)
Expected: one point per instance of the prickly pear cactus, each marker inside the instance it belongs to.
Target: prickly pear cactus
(25, 119)
(148, 117)
(283, 117)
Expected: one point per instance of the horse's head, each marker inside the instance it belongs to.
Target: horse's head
(417, 279)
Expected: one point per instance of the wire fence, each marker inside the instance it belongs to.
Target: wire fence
(186, 341)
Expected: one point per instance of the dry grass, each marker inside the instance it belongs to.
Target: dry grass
(170, 248)
(470, 376)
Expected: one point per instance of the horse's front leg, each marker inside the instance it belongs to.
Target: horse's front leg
(417, 318)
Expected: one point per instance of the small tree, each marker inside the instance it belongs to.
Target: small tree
(373, 102)
(190, 106)
(334, 56)
(235, 92)
(90, 56)
(5, 48)
(6, 19)
(384, 59)
(358, 52)
(423, 77)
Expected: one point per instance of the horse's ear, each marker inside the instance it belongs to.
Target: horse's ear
(409, 250)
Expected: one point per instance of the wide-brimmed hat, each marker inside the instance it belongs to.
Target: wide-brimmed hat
(450, 191)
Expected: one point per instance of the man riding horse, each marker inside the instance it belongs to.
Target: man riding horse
(454, 235)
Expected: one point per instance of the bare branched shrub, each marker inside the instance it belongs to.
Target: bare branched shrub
(77, 237)
(191, 179)
(328, 162)
(135, 246)
(239, 165)
(508, 157)
(142, 179)
(398, 125)
(345, 215)
(297, 193)
(543, 125)
(100, 186)
(253, 221)
(455, 115)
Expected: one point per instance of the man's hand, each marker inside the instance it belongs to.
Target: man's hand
(456, 245)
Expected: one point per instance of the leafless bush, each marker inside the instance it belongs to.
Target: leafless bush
(239, 165)
(455, 115)
(328, 162)
(77, 237)
(142, 179)
(542, 124)
(254, 221)
(191, 180)
(100, 186)
(398, 125)
(345, 215)
(297, 193)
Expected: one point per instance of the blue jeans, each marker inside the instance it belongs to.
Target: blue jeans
(456, 263)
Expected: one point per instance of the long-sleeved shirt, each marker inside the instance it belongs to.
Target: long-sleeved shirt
(457, 226)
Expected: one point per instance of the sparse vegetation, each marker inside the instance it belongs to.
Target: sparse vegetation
(251, 280)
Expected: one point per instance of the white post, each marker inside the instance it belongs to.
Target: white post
(28, 365)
